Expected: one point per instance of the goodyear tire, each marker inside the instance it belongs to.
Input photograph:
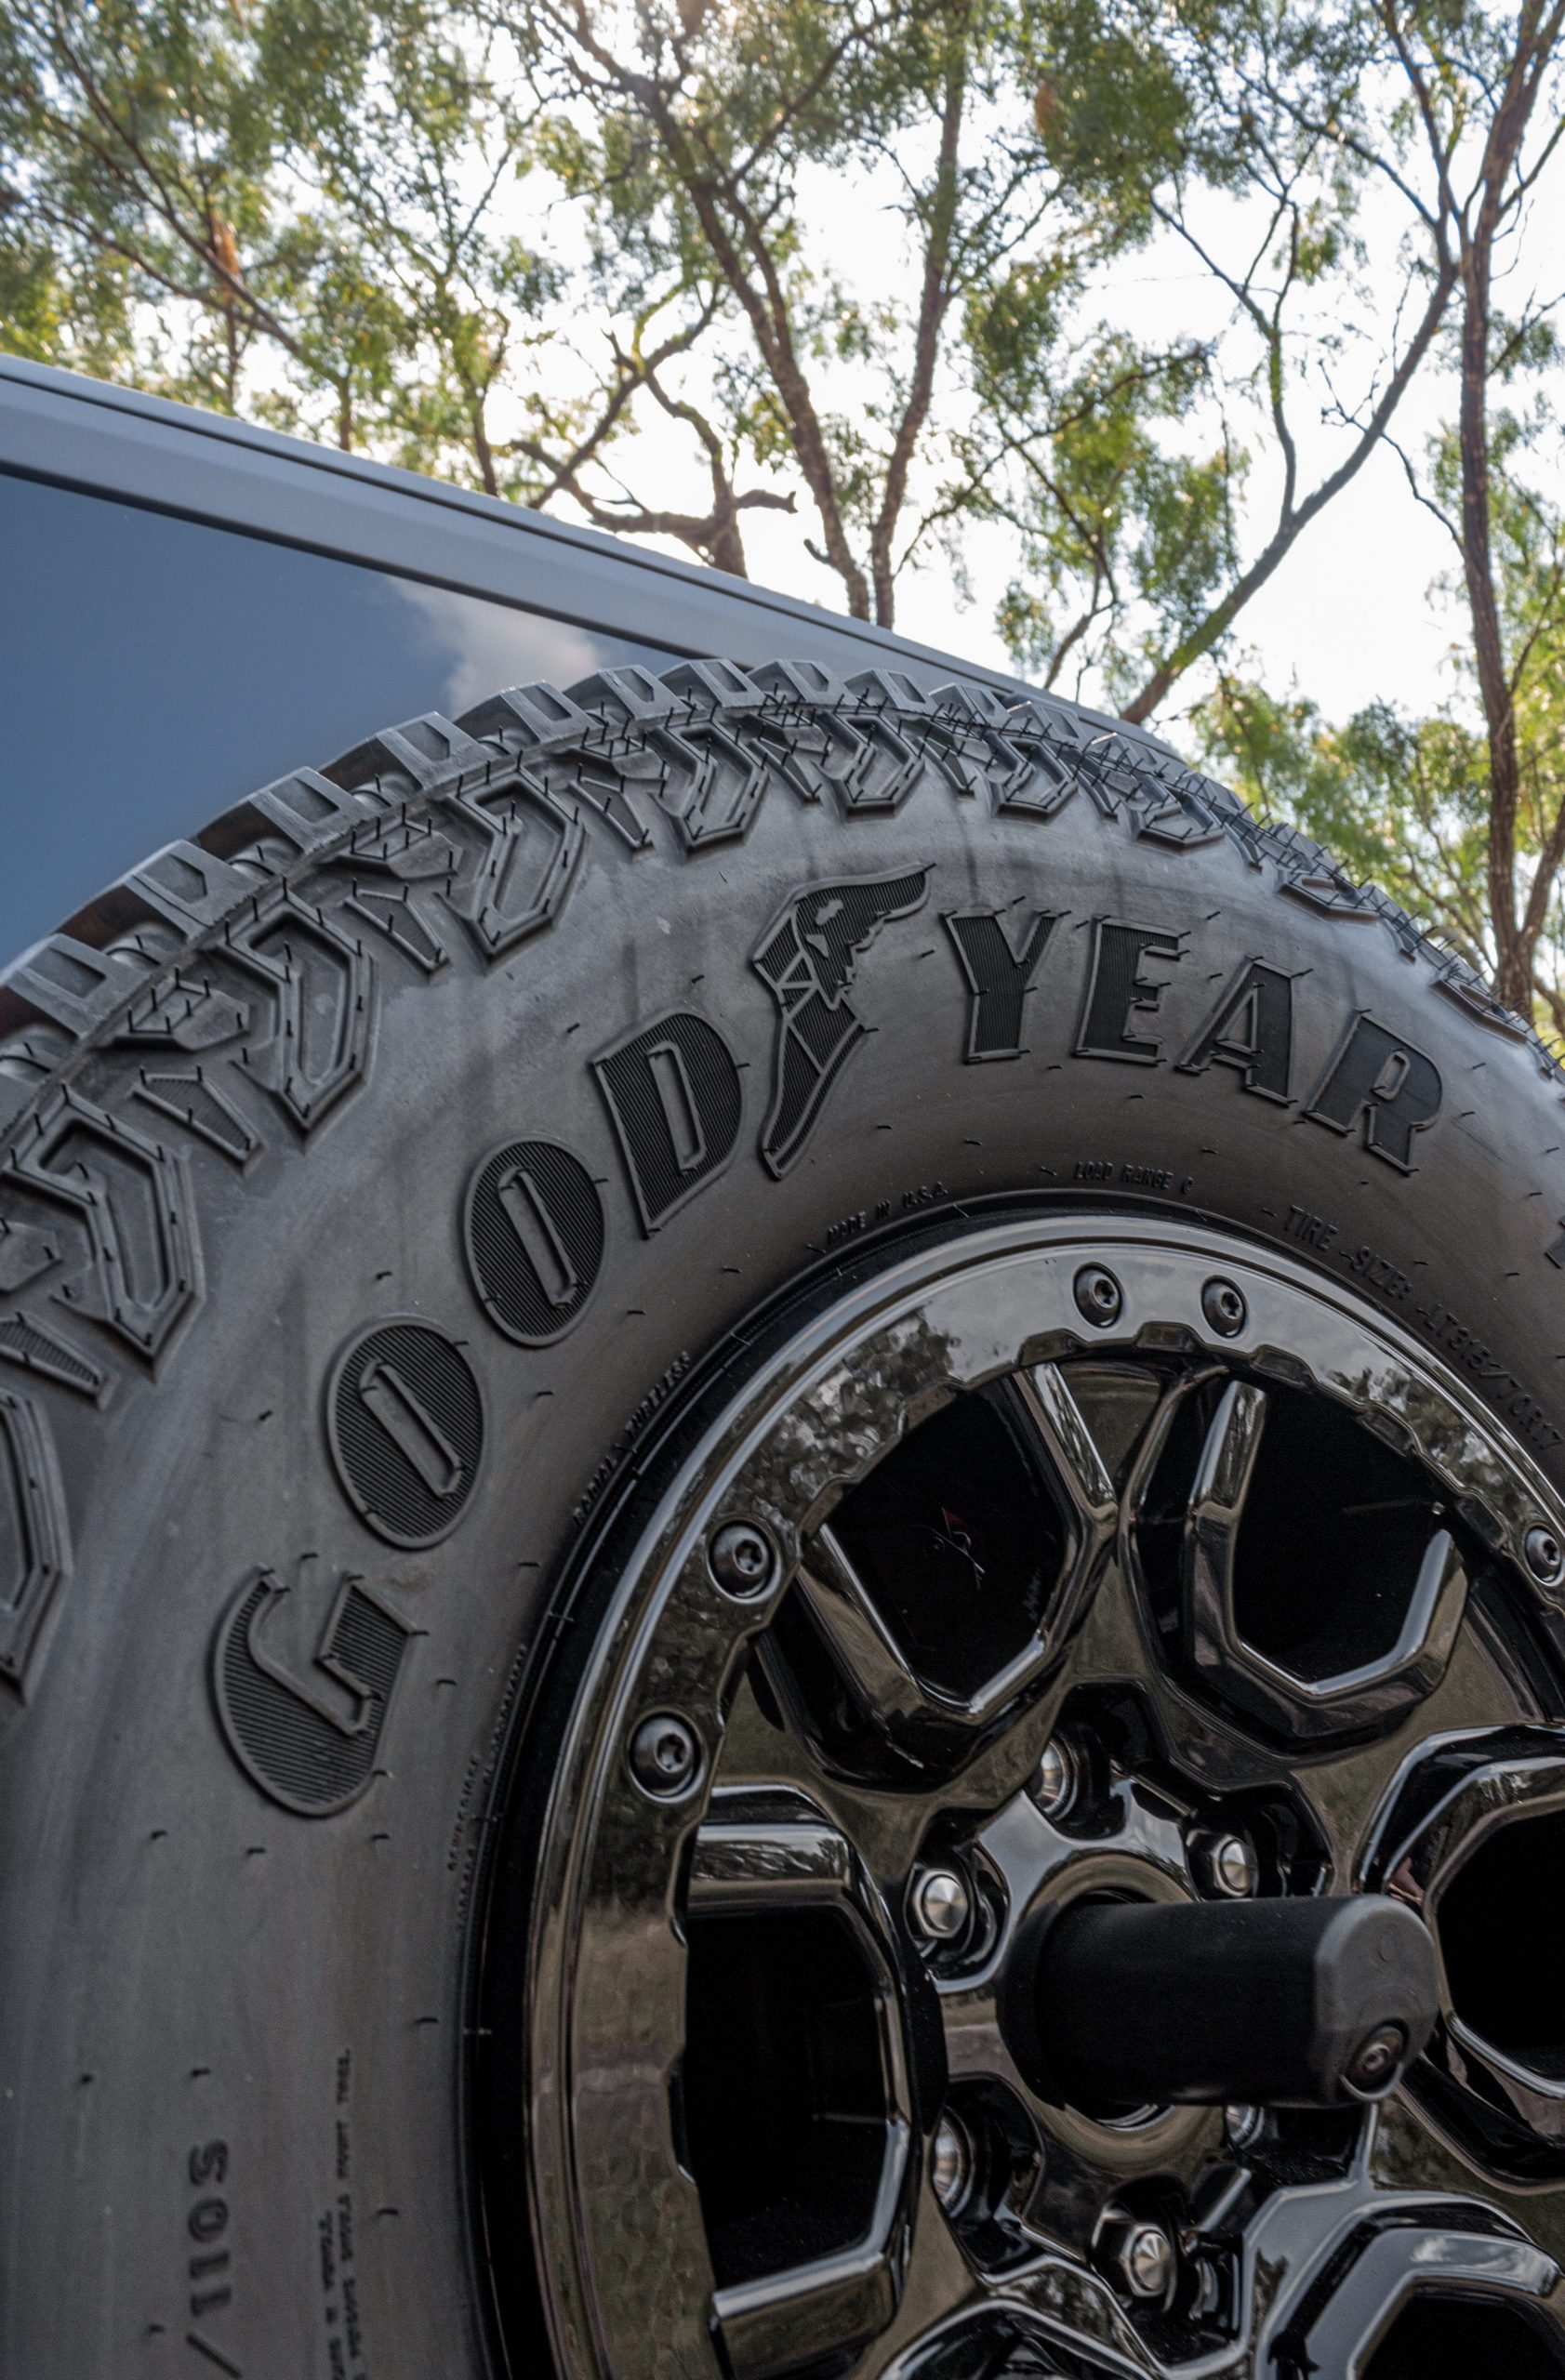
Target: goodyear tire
(380, 1171)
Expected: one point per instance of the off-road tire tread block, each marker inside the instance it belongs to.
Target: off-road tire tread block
(186, 987)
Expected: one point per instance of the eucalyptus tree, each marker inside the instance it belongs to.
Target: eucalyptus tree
(1481, 111)
(1456, 115)
(864, 262)
(1409, 798)
(859, 182)
(329, 215)
(1208, 128)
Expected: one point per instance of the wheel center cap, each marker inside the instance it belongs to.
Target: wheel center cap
(1304, 2004)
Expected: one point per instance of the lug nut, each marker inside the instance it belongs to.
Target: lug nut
(1226, 1866)
(665, 1755)
(1054, 1788)
(1097, 1296)
(1546, 1557)
(1243, 2125)
(1224, 1308)
(940, 1903)
(1141, 2258)
(1374, 2066)
(950, 2164)
(742, 1560)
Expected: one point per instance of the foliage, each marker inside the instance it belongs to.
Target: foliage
(321, 214)
(718, 134)
(1457, 114)
(680, 265)
(1409, 801)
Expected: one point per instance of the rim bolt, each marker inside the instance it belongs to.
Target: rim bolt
(1546, 1557)
(950, 2164)
(1054, 1788)
(1226, 1866)
(665, 1755)
(1375, 2063)
(742, 1560)
(940, 1903)
(1224, 1308)
(1141, 2258)
(1097, 1296)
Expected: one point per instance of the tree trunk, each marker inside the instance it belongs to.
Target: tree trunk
(1513, 948)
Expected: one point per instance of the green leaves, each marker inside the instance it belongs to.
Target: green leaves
(1118, 295)
(1409, 802)
(1113, 111)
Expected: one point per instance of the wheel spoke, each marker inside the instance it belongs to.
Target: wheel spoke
(761, 1750)
(1498, 2272)
(829, 2308)
(1016, 1844)
(903, 2306)
(1065, 2299)
(863, 1647)
(1472, 1697)
(1224, 1475)
(753, 1856)
(939, 2292)
(761, 1757)
(1227, 1466)
(1074, 1458)
(767, 1851)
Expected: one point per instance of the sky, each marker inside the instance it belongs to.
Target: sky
(1352, 615)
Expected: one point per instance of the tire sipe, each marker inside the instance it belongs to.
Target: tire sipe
(398, 1178)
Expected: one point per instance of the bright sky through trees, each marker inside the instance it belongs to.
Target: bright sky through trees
(1178, 349)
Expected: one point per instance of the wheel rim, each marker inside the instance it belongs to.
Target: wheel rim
(1067, 1561)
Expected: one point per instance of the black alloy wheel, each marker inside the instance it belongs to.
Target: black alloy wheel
(782, 1576)
(1059, 1579)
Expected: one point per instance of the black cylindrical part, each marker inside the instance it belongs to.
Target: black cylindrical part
(1302, 2003)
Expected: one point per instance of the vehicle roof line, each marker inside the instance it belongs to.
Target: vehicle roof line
(391, 481)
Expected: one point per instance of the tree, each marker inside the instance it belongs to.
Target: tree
(1115, 529)
(1480, 85)
(859, 256)
(1208, 127)
(976, 385)
(1460, 118)
(310, 214)
(133, 162)
(496, 238)
(1410, 800)
(701, 132)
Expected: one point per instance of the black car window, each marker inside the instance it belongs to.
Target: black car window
(155, 670)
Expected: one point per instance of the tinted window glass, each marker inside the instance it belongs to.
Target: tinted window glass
(155, 671)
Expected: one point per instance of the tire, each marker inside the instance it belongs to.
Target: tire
(379, 1170)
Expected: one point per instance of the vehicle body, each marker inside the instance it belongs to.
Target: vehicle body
(178, 558)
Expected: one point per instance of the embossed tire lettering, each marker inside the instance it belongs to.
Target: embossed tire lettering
(405, 1422)
(451, 1918)
(533, 1230)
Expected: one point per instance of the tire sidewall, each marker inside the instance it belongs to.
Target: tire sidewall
(216, 2003)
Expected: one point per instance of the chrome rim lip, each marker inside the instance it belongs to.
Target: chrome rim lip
(968, 1293)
